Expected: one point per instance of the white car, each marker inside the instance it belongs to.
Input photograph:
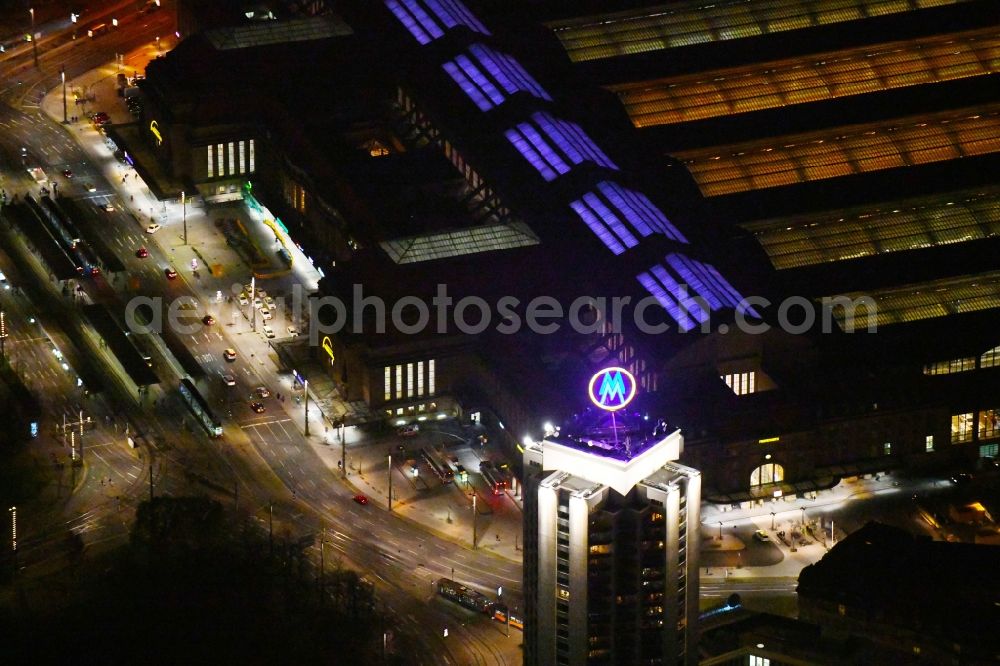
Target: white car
(243, 299)
(269, 302)
(292, 331)
(109, 207)
(153, 228)
(268, 332)
(265, 314)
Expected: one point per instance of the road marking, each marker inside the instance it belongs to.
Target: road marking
(262, 423)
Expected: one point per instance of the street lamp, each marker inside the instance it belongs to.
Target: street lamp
(34, 41)
(772, 520)
(390, 482)
(62, 73)
(305, 391)
(720, 530)
(184, 216)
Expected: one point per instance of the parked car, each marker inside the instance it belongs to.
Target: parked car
(761, 535)
(408, 430)
(268, 332)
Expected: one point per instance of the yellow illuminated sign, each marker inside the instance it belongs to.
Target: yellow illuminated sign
(154, 128)
(327, 345)
(768, 440)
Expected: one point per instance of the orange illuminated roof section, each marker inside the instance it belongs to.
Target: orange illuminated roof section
(686, 23)
(811, 79)
(844, 151)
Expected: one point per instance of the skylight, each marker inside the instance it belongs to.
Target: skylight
(489, 77)
(428, 19)
(553, 146)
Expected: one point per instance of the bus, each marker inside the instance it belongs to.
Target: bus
(97, 30)
(437, 464)
(199, 407)
(495, 479)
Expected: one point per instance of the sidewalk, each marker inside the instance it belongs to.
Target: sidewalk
(442, 509)
(786, 515)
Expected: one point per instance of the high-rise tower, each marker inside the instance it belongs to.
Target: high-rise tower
(610, 539)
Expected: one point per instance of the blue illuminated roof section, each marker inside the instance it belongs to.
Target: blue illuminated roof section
(689, 290)
(489, 77)
(619, 216)
(428, 19)
(554, 146)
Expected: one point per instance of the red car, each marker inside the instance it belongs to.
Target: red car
(142, 253)
(208, 320)
(67, 173)
(170, 273)
(361, 499)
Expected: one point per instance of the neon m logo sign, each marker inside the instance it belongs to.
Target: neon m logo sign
(612, 388)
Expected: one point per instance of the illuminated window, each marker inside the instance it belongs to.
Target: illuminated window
(388, 384)
(563, 594)
(742, 383)
(243, 157)
(929, 444)
(251, 157)
(399, 382)
(988, 424)
(990, 359)
(887, 449)
(961, 428)
(989, 450)
(600, 549)
(409, 380)
(759, 661)
(767, 473)
(211, 164)
(220, 164)
(430, 377)
(951, 367)
(420, 378)
(232, 158)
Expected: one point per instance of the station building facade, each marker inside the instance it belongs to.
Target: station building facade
(764, 151)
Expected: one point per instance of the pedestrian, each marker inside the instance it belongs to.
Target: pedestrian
(131, 197)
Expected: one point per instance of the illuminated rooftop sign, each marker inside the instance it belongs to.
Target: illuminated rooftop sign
(612, 388)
